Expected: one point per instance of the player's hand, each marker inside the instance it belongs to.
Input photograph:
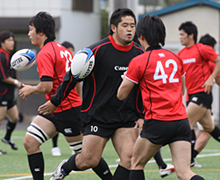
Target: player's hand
(139, 124)
(26, 91)
(47, 108)
(208, 85)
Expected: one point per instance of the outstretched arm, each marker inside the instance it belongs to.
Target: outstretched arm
(124, 89)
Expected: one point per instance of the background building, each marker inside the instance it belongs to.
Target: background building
(77, 21)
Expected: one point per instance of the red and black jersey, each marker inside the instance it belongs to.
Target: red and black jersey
(53, 61)
(159, 73)
(100, 88)
(6, 90)
(196, 64)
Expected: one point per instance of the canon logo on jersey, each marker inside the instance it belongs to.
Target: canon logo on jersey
(118, 68)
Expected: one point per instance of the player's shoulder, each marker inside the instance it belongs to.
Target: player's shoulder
(99, 44)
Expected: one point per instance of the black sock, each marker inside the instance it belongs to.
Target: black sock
(216, 133)
(136, 174)
(193, 141)
(102, 170)
(195, 153)
(9, 129)
(54, 139)
(121, 173)
(70, 165)
(197, 177)
(161, 164)
(36, 164)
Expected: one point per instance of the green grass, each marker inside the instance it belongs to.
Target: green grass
(14, 165)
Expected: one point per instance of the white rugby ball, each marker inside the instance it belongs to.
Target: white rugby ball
(82, 63)
(23, 59)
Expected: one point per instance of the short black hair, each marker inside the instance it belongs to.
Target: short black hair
(153, 30)
(67, 45)
(190, 28)
(208, 40)
(118, 14)
(5, 35)
(44, 22)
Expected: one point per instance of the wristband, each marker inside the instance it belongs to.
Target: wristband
(15, 81)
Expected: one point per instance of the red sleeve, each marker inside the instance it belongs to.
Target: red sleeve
(134, 72)
(207, 52)
(45, 65)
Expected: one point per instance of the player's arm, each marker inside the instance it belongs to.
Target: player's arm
(61, 93)
(10, 80)
(43, 87)
(183, 84)
(209, 82)
(125, 88)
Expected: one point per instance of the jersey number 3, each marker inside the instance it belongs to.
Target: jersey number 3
(160, 73)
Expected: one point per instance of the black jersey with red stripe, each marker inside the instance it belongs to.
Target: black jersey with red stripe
(6, 90)
(100, 102)
(100, 88)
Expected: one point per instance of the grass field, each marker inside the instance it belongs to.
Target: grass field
(14, 165)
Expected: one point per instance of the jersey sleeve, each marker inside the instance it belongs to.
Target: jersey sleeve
(64, 89)
(208, 53)
(45, 65)
(3, 67)
(134, 71)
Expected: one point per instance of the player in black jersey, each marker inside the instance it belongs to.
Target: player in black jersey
(7, 86)
(103, 115)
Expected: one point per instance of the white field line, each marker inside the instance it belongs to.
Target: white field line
(115, 165)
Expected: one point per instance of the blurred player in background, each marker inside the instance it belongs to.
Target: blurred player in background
(202, 137)
(199, 80)
(8, 84)
(159, 73)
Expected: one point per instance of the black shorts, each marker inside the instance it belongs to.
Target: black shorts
(67, 122)
(9, 104)
(166, 132)
(201, 98)
(104, 130)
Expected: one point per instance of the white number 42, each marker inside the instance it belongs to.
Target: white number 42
(163, 76)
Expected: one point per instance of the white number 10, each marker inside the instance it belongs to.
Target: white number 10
(164, 76)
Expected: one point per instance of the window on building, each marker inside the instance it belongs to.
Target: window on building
(82, 5)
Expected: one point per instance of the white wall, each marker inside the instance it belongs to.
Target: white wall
(80, 28)
(28, 8)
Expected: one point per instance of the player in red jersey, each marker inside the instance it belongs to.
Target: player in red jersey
(199, 79)
(159, 73)
(202, 136)
(53, 60)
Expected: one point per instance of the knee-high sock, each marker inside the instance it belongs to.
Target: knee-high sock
(9, 129)
(193, 141)
(102, 169)
(197, 177)
(161, 164)
(216, 133)
(54, 139)
(36, 164)
(136, 174)
(121, 173)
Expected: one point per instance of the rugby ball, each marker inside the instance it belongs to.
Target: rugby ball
(82, 63)
(23, 59)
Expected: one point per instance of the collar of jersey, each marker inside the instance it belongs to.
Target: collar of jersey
(153, 48)
(4, 51)
(119, 47)
(47, 40)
